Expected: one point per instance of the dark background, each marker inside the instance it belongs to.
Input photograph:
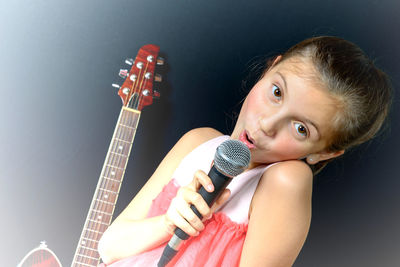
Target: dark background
(58, 111)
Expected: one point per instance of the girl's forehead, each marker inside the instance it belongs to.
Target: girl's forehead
(300, 66)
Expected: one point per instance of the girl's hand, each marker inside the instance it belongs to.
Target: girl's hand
(179, 213)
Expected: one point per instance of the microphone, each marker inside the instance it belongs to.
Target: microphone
(231, 158)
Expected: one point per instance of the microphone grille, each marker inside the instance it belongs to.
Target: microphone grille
(232, 157)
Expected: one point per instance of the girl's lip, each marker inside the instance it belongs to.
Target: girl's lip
(246, 139)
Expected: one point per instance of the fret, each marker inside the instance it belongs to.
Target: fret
(99, 216)
(110, 184)
(118, 154)
(103, 212)
(96, 225)
(84, 256)
(105, 196)
(111, 179)
(109, 195)
(88, 261)
(114, 167)
(98, 222)
(88, 245)
(112, 173)
(97, 232)
(117, 139)
(117, 161)
(109, 191)
(121, 146)
(93, 237)
(92, 249)
(106, 202)
(83, 263)
(127, 126)
(125, 134)
(103, 206)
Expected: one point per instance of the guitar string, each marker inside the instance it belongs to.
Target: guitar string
(114, 160)
(96, 208)
(105, 184)
(126, 120)
(140, 77)
(144, 80)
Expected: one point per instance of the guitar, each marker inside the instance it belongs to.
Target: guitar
(136, 92)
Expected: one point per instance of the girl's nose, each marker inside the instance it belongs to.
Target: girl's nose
(268, 125)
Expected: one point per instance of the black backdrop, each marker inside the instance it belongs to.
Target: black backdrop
(58, 110)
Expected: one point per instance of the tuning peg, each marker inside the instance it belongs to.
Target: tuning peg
(160, 61)
(156, 94)
(129, 61)
(158, 77)
(123, 73)
(150, 58)
(116, 85)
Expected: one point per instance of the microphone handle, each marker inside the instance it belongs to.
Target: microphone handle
(220, 182)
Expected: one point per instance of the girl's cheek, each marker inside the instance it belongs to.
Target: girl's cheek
(288, 148)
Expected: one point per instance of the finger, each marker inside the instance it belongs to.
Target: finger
(184, 225)
(187, 213)
(202, 179)
(221, 200)
(174, 217)
(190, 197)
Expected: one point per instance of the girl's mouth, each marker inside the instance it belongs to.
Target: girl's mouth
(244, 138)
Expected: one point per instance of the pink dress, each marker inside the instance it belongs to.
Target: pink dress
(221, 242)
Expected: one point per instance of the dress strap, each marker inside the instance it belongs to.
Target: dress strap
(199, 158)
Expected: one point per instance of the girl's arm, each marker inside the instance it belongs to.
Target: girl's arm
(131, 232)
(280, 216)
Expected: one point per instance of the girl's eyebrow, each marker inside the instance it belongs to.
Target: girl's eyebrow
(303, 119)
(283, 78)
(314, 125)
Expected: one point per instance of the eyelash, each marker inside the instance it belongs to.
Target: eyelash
(276, 89)
(297, 126)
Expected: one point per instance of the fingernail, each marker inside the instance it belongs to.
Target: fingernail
(210, 187)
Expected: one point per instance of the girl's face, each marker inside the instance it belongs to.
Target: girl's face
(286, 115)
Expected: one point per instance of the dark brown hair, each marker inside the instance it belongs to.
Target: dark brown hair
(364, 91)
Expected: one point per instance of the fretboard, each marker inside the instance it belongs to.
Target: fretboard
(107, 190)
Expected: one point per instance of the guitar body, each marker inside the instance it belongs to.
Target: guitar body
(40, 257)
(136, 92)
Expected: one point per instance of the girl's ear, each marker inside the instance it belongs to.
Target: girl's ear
(323, 155)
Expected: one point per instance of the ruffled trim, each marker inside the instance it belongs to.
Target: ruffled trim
(161, 203)
(219, 244)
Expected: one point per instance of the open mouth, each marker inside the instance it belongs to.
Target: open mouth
(244, 138)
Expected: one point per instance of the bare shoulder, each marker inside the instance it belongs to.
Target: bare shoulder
(140, 205)
(280, 215)
(197, 136)
(188, 142)
(293, 173)
(288, 178)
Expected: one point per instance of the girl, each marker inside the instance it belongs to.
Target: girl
(320, 98)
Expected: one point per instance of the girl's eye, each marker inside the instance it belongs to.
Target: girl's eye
(276, 91)
(301, 129)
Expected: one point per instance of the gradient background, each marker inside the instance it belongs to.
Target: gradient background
(58, 111)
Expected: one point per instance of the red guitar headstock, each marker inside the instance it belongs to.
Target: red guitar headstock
(137, 91)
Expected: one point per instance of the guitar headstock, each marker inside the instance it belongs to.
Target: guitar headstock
(137, 91)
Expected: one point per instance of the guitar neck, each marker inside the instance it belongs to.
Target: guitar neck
(107, 190)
